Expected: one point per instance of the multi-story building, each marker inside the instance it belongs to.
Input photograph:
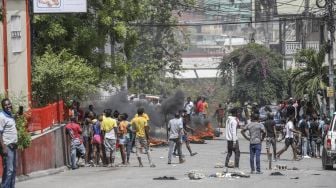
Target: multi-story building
(214, 32)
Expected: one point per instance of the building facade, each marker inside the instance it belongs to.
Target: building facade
(15, 53)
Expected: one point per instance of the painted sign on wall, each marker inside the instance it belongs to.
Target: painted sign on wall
(60, 6)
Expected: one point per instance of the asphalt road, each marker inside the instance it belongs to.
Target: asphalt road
(309, 173)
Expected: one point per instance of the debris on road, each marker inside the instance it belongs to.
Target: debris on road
(239, 174)
(296, 178)
(195, 175)
(280, 167)
(277, 174)
(229, 175)
(165, 178)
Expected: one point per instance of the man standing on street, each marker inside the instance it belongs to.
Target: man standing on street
(74, 131)
(270, 136)
(8, 141)
(189, 107)
(140, 125)
(175, 127)
(232, 139)
(304, 129)
(257, 132)
(110, 130)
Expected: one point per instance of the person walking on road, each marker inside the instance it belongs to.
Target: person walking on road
(8, 143)
(186, 129)
(257, 133)
(140, 125)
(232, 139)
(289, 141)
(270, 136)
(175, 128)
(74, 131)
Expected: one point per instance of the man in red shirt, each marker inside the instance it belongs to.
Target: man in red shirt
(74, 131)
(200, 107)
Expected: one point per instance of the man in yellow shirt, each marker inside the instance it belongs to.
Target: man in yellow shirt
(109, 128)
(143, 115)
(140, 125)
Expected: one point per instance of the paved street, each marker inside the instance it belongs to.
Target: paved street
(310, 173)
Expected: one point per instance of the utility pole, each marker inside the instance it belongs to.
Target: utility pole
(305, 25)
(331, 27)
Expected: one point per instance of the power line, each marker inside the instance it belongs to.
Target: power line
(218, 23)
(207, 10)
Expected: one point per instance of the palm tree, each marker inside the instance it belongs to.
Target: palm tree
(311, 77)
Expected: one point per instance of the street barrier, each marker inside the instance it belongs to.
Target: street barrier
(40, 119)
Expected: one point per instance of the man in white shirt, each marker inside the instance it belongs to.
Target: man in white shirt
(289, 141)
(175, 127)
(8, 142)
(189, 107)
(232, 139)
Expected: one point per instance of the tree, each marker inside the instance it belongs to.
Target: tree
(159, 48)
(255, 74)
(311, 77)
(141, 51)
(62, 75)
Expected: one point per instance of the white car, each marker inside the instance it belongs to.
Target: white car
(329, 146)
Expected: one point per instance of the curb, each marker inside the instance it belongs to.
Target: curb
(40, 174)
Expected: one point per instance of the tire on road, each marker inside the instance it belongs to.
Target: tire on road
(325, 160)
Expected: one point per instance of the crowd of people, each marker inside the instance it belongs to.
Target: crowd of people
(95, 138)
(304, 132)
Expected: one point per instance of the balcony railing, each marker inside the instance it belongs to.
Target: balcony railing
(292, 47)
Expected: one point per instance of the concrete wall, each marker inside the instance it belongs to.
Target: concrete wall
(17, 59)
(17, 62)
(47, 151)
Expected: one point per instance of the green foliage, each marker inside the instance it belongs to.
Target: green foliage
(24, 138)
(62, 74)
(256, 74)
(311, 76)
(158, 50)
(141, 53)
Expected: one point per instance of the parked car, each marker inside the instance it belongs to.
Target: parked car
(329, 146)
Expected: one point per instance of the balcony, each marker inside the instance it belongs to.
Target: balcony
(292, 47)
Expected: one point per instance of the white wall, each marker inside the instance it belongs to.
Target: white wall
(17, 62)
